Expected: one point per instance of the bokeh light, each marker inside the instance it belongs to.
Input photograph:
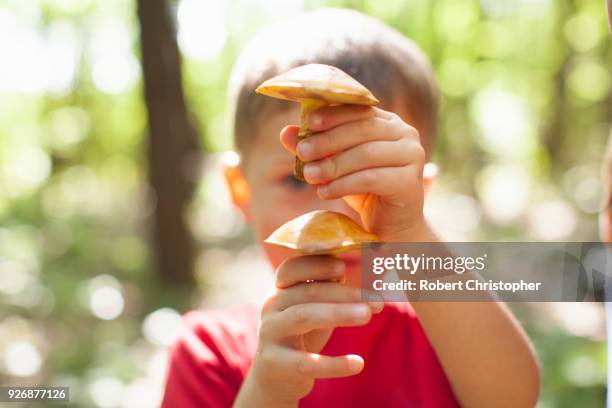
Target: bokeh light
(106, 392)
(22, 359)
(552, 220)
(505, 191)
(202, 28)
(25, 170)
(105, 299)
(161, 327)
(114, 67)
(504, 120)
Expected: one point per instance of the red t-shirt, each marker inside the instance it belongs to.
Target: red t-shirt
(212, 356)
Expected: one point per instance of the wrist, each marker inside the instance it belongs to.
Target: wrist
(418, 231)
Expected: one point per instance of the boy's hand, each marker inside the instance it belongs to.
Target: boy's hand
(372, 159)
(297, 321)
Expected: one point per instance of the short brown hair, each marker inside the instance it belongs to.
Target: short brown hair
(376, 55)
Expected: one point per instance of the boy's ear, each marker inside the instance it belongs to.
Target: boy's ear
(430, 174)
(237, 184)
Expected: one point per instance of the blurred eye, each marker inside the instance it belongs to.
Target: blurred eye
(294, 184)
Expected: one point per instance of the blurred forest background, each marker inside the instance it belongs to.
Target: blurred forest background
(112, 225)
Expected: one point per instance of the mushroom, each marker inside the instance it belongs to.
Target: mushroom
(316, 86)
(321, 232)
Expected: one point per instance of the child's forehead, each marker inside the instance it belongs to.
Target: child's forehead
(265, 146)
(270, 124)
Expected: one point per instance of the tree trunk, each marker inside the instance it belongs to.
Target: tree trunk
(172, 139)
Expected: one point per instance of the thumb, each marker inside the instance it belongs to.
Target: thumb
(289, 137)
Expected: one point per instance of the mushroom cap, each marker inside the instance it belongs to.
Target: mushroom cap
(321, 232)
(318, 82)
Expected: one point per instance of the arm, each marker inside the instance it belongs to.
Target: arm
(484, 336)
(373, 160)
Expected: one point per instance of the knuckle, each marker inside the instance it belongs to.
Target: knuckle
(394, 117)
(405, 130)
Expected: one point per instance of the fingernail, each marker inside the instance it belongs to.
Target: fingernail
(360, 311)
(323, 190)
(375, 301)
(312, 171)
(304, 149)
(355, 363)
(315, 119)
(376, 306)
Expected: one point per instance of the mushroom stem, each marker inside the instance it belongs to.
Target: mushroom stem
(306, 106)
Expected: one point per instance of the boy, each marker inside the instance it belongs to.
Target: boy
(367, 163)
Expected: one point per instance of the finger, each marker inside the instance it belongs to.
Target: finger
(332, 116)
(321, 145)
(319, 366)
(314, 292)
(303, 318)
(289, 134)
(382, 181)
(313, 365)
(364, 156)
(309, 268)
(289, 137)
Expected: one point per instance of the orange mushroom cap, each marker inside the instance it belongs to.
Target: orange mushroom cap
(321, 232)
(317, 82)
